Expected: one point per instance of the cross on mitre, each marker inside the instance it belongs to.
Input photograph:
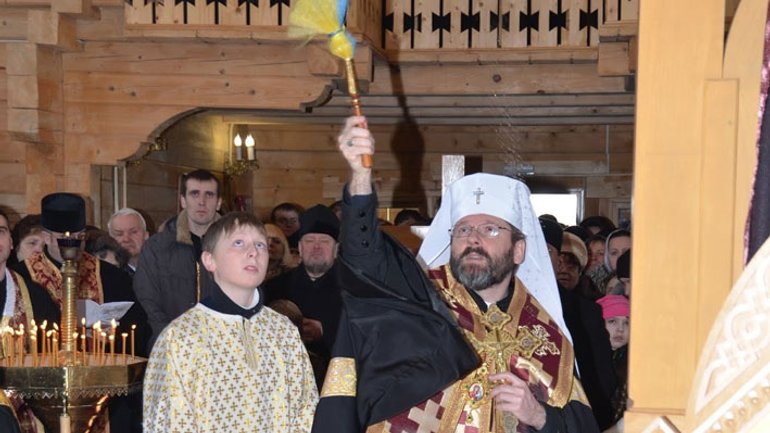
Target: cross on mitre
(478, 193)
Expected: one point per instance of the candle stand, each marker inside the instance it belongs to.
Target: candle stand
(68, 388)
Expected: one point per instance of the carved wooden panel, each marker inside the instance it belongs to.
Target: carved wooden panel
(733, 380)
(208, 12)
(413, 24)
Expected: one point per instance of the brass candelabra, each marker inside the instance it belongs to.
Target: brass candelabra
(68, 388)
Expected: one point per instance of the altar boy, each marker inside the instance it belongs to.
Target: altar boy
(229, 363)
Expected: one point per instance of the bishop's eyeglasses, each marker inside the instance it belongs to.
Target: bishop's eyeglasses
(484, 230)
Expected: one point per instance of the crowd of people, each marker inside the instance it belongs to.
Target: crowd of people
(317, 320)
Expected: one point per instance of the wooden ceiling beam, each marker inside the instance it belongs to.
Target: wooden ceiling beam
(531, 100)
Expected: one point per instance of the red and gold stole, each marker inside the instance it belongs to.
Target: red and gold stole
(22, 309)
(45, 273)
(523, 340)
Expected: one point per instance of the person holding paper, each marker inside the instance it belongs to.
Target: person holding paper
(230, 364)
(99, 281)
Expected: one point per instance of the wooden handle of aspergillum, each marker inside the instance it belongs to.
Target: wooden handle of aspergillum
(366, 160)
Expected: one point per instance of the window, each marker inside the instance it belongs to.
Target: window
(567, 208)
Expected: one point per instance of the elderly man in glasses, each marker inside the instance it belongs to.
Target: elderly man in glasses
(479, 345)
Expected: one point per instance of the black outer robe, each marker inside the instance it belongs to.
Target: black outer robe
(593, 353)
(319, 300)
(8, 422)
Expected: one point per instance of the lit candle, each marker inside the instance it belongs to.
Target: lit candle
(20, 333)
(75, 345)
(104, 346)
(32, 331)
(114, 326)
(48, 345)
(11, 344)
(55, 351)
(83, 330)
(124, 335)
(33, 343)
(55, 342)
(250, 147)
(83, 346)
(133, 329)
(112, 348)
(42, 338)
(238, 149)
(96, 331)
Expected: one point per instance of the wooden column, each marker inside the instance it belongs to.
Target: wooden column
(683, 187)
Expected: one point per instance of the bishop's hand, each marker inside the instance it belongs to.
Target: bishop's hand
(353, 142)
(513, 395)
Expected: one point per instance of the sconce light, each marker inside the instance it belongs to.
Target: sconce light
(238, 147)
(238, 165)
(250, 148)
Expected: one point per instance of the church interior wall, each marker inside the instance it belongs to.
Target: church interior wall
(300, 163)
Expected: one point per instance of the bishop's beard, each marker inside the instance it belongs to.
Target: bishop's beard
(478, 277)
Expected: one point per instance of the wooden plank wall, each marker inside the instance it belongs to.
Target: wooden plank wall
(308, 169)
(300, 163)
(12, 167)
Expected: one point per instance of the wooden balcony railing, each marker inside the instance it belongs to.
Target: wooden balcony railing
(398, 25)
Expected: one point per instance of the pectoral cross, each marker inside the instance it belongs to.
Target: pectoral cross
(478, 193)
(499, 345)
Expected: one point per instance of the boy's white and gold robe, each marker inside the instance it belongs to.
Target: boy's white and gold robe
(216, 372)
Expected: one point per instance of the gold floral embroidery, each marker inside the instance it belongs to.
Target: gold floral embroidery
(340, 378)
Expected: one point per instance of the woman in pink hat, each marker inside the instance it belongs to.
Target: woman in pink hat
(616, 311)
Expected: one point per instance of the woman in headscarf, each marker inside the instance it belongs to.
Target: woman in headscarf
(281, 259)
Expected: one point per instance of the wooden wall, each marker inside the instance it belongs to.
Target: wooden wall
(300, 163)
(408, 161)
(12, 167)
